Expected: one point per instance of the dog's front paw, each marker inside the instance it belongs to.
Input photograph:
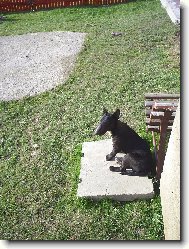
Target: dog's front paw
(111, 168)
(109, 157)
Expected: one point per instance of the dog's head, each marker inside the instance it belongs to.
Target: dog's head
(107, 122)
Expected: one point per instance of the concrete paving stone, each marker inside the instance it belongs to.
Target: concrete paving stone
(173, 9)
(97, 181)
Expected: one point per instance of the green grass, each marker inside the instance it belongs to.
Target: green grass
(41, 137)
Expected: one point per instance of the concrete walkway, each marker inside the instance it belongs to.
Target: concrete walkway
(170, 184)
(36, 62)
(97, 181)
(173, 9)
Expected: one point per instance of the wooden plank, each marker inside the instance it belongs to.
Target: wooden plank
(157, 128)
(154, 115)
(165, 105)
(162, 143)
(153, 128)
(159, 114)
(155, 146)
(162, 96)
(156, 122)
(160, 103)
(163, 109)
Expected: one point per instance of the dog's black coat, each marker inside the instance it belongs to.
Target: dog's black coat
(138, 155)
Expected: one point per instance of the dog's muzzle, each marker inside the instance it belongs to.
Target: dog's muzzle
(99, 131)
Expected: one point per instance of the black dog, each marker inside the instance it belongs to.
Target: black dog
(138, 156)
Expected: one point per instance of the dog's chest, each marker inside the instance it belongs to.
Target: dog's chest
(116, 140)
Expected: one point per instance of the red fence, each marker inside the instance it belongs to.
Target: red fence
(29, 5)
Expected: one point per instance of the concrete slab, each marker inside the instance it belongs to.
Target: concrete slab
(36, 62)
(97, 181)
(173, 9)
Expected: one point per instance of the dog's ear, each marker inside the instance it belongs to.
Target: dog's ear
(105, 111)
(116, 114)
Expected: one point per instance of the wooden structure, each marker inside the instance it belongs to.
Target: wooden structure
(160, 113)
(33, 5)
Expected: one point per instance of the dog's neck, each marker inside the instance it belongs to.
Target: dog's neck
(115, 129)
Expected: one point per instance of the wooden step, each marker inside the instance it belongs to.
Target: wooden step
(161, 96)
(161, 104)
(155, 122)
(157, 128)
(154, 114)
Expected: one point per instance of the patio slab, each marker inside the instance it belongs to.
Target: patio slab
(173, 9)
(97, 181)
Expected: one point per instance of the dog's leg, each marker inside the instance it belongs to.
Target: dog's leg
(111, 155)
(134, 173)
(115, 169)
(119, 160)
(115, 150)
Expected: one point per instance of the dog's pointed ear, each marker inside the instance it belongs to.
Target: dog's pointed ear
(116, 114)
(104, 111)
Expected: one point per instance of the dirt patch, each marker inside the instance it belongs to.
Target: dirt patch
(36, 62)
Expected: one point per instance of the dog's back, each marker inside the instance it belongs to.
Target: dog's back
(127, 139)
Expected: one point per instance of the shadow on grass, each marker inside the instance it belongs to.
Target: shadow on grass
(4, 18)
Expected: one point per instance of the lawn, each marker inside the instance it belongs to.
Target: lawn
(41, 137)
